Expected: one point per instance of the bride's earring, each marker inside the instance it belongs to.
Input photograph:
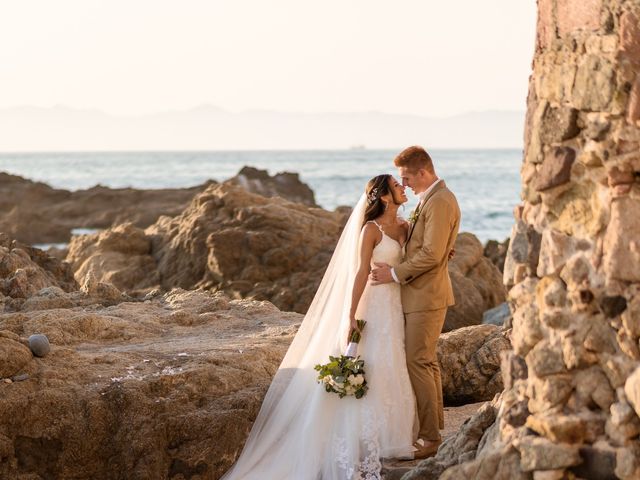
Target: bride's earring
(386, 205)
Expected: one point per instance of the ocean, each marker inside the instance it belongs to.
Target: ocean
(486, 182)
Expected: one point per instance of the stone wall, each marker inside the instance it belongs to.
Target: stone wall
(571, 403)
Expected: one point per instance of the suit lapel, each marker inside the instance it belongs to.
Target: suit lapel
(415, 219)
(422, 204)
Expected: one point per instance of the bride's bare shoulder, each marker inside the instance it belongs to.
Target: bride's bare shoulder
(370, 232)
(369, 228)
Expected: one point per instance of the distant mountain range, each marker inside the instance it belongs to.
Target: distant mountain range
(211, 128)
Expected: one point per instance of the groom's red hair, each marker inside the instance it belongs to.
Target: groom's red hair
(414, 158)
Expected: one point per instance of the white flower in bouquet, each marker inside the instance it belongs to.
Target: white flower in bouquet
(344, 375)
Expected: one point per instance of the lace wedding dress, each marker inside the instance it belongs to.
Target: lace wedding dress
(304, 433)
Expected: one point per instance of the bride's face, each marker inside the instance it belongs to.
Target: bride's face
(397, 191)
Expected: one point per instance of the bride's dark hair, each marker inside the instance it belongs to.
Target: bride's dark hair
(376, 188)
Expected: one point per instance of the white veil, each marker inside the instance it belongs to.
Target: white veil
(287, 437)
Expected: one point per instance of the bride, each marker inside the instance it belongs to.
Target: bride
(302, 432)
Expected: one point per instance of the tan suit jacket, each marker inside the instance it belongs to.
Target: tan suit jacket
(424, 272)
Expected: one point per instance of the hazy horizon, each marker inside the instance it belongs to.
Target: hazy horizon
(209, 106)
(133, 61)
(208, 128)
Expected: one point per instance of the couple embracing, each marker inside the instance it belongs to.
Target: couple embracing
(394, 275)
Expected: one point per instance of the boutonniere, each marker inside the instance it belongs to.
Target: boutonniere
(413, 218)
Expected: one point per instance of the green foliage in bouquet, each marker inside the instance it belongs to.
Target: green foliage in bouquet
(344, 376)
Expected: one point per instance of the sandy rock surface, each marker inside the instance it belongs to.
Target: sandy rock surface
(165, 388)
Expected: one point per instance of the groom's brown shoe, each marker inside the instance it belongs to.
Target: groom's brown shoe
(425, 450)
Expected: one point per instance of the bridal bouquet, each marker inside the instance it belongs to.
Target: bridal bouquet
(344, 375)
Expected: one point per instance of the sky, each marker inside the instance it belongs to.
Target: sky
(137, 57)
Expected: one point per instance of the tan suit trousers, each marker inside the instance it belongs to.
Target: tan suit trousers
(422, 330)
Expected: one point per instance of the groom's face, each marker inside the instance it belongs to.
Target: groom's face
(412, 179)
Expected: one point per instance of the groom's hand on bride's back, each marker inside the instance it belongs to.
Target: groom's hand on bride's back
(381, 274)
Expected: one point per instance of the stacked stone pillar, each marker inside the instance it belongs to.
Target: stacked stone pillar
(572, 400)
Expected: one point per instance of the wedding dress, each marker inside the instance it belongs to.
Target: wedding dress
(304, 433)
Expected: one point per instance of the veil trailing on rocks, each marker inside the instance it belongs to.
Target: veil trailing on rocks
(293, 424)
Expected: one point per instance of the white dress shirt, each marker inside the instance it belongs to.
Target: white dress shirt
(421, 197)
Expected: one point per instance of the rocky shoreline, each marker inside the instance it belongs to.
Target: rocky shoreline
(165, 338)
(177, 376)
(35, 213)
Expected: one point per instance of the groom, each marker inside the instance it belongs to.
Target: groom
(426, 287)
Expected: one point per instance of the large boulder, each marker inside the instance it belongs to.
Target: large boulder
(470, 363)
(166, 388)
(285, 184)
(477, 283)
(247, 246)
